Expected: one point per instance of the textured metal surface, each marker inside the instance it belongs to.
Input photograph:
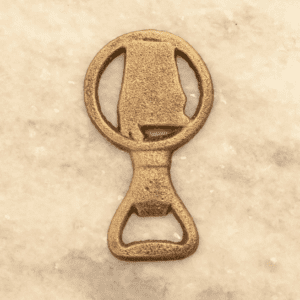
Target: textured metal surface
(152, 124)
(151, 92)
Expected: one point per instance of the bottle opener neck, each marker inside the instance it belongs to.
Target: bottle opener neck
(142, 159)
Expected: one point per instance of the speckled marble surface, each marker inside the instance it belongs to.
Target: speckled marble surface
(61, 181)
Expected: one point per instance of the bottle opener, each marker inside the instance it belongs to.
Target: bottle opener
(151, 126)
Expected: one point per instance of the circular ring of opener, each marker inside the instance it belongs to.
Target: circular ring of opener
(113, 49)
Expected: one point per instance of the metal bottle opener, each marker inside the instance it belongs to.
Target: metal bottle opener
(151, 126)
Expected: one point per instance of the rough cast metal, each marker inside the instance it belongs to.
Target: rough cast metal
(151, 126)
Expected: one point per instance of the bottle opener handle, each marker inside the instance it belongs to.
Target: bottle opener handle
(151, 193)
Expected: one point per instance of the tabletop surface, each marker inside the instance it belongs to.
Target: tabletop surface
(61, 181)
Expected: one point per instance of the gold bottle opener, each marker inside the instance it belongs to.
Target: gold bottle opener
(151, 126)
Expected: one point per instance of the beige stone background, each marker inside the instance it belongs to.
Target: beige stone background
(61, 181)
